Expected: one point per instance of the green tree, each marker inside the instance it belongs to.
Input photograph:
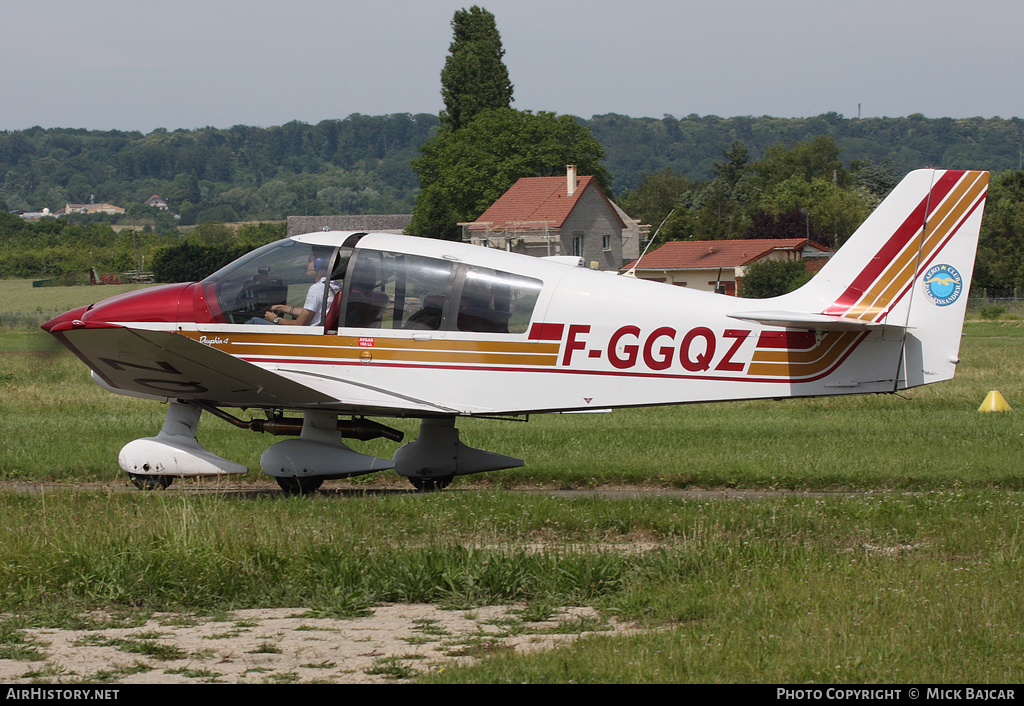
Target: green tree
(815, 159)
(875, 179)
(732, 171)
(474, 77)
(253, 235)
(211, 233)
(834, 213)
(465, 171)
(714, 210)
(1000, 262)
(192, 261)
(772, 278)
(657, 196)
(185, 189)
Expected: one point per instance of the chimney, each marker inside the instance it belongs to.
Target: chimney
(570, 179)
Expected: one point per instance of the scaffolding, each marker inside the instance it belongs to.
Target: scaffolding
(514, 236)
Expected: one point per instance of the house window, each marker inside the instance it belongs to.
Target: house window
(577, 245)
(724, 287)
(606, 242)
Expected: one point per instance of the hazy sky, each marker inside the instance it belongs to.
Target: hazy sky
(141, 64)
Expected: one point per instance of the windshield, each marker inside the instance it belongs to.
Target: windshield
(281, 273)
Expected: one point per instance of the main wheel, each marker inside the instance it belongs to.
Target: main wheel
(427, 484)
(150, 482)
(299, 486)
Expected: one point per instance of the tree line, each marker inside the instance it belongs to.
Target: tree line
(63, 248)
(356, 165)
(363, 164)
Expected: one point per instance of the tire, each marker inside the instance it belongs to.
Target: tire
(429, 484)
(299, 486)
(150, 482)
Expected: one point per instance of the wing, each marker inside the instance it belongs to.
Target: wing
(165, 364)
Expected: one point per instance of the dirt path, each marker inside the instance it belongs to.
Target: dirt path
(394, 644)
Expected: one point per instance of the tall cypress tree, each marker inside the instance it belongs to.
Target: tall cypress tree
(474, 77)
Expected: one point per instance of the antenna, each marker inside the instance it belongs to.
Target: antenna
(631, 272)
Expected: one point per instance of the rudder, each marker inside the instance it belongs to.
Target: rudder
(939, 293)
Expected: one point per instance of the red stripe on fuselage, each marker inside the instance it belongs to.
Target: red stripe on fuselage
(546, 332)
(793, 340)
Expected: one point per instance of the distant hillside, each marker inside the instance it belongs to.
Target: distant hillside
(691, 145)
(361, 164)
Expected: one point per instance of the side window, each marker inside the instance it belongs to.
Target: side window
(496, 302)
(393, 290)
(397, 291)
(427, 282)
(577, 244)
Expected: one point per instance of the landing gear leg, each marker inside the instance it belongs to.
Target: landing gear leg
(153, 462)
(436, 456)
(301, 465)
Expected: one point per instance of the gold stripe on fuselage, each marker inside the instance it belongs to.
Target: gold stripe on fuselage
(378, 347)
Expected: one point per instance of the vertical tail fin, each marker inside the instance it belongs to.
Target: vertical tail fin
(909, 266)
(942, 281)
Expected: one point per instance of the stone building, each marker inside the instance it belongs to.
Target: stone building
(559, 216)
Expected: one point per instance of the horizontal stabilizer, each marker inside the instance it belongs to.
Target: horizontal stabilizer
(794, 319)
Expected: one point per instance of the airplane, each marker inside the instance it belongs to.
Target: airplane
(408, 327)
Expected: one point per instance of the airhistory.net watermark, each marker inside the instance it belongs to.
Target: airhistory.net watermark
(46, 693)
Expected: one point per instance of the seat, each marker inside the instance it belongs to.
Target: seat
(365, 309)
(429, 317)
(333, 312)
(483, 320)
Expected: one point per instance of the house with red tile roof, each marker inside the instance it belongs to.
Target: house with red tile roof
(157, 201)
(718, 265)
(559, 216)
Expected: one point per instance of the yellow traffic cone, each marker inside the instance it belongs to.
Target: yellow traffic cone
(994, 402)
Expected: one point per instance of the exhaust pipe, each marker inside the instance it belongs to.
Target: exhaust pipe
(362, 429)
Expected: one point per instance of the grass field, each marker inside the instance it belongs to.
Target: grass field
(21, 304)
(914, 577)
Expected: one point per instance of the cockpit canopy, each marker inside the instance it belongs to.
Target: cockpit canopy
(375, 289)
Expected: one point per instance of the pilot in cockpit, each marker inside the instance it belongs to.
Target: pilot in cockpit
(310, 313)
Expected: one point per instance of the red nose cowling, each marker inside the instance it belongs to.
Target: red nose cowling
(164, 304)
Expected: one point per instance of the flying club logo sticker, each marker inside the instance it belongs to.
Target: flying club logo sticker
(943, 284)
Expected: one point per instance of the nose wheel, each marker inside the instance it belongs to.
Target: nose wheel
(428, 484)
(299, 486)
(150, 482)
